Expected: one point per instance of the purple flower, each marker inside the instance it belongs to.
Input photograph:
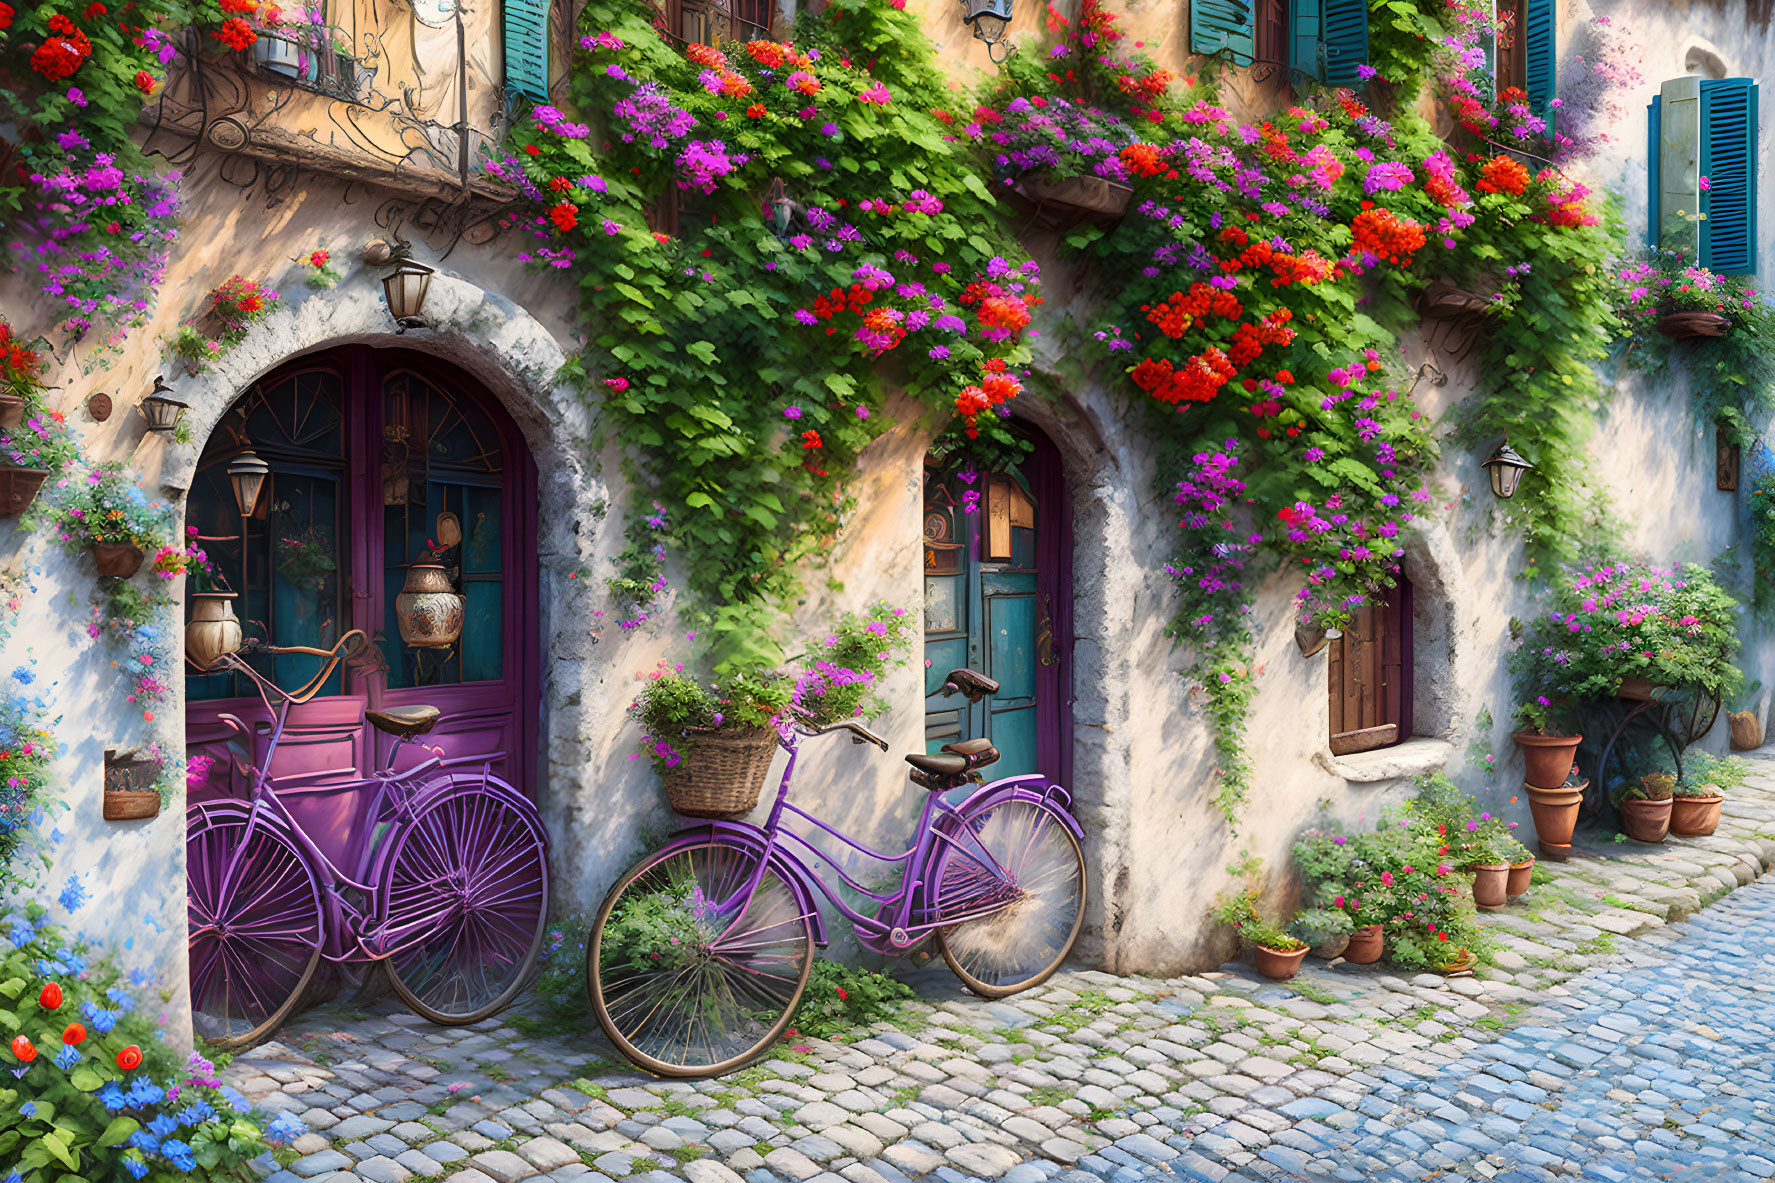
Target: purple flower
(791, 412)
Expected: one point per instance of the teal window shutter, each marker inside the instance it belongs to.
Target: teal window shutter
(527, 48)
(1654, 155)
(1230, 25)
(1540, 59)
(1729, 162)
(1304, 40)
(1346, 41)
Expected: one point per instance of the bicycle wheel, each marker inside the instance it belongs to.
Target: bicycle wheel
(254, 907)
(466, 891)
(685, 978)
(1016, 861)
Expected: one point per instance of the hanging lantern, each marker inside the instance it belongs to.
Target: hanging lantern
(988, 18)
(405, 288)
(1506, 469)
(247, 473)
(160, 409)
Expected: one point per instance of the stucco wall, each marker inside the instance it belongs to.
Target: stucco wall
(1142, 757)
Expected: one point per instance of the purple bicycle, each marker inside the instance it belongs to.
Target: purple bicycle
(444, 880)
(701, 951)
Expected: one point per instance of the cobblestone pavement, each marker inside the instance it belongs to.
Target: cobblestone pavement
(1624, 1034)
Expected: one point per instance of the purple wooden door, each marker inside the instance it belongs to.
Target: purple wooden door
(373, 454)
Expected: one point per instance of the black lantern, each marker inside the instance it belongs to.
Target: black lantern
(247, 473)
(988, 19)
(1506, 468)
(160, 409)
(405, 287)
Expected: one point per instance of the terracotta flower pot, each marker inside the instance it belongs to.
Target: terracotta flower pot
(1747, 732)
(212, 630)
(1274, 964)
(1547, 759)
(1646, 821)
(428, 610)
(131, 806)
(1490, 885)
(12, 410)
(1521, 875)
(1637, 689)
(1695, 817)
(1332, 946)
(1556, 815)
(1365, 945)
(18, 488)
(1081, 195)
(119, 560)
(1693, 323)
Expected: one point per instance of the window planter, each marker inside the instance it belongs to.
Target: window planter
(12, 410)
(129, 792)
(1686, 325)
(1076, 198)
(18, 488)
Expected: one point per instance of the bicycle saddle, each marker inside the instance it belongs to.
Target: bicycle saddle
(404, 721)
(956, 759)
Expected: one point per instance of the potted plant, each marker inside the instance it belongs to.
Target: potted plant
(1697, 801)
(1645, 807)
(1325, 930)
(1522, 867)
(130, 785)
(1330, 866)
(108, 516)
(1275, 954)
(34, 442)
(1682, 301)
(1491, 873)
(1060, 156)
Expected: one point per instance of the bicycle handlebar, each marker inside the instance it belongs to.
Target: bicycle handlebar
(859, 733)
(347, 647)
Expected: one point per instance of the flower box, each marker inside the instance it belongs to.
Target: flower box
(1078, 197)
(129, 792)
(1693, 323)
(18, 488)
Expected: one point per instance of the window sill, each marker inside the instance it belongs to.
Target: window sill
(1415, 755)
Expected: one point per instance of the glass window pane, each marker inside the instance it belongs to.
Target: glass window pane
(483, 632)
(482, 552)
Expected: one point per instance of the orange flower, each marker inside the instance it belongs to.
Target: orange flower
(768, 54)
(756, 111)
(703, 55)
(1142, 160)
(236, 34)
(565, 216)
(1501, 174)
(810, 440)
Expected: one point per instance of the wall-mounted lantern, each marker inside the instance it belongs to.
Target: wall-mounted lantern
(1506, 469)
(405, 287)
(160, 409)
(247, 473)
(988, 19)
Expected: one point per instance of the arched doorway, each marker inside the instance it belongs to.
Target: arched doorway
(376, 456)
(998, 598)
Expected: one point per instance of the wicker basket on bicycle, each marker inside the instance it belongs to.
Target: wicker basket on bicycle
(722, 771)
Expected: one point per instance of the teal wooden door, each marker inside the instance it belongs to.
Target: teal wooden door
(984, 610)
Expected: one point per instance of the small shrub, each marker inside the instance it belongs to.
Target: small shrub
(841, 998)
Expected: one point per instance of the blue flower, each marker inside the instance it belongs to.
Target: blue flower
(235, 1100)
(29, 1109)
(144, 1141)
(112, 1098)
(136, 1167)
(144, 1092)
(20, 932)
(102, 1020)
(67, 1057)
(23, 675)
(162, 1125)
(122, 998)
(196, 1113)
(285, 1127)
(178, 1154)
(137, 977)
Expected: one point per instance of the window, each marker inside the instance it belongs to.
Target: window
(526, 31)
(1369, 676)
(1321, 40)
(1704, 128)
(1522, 55)
(713, 22)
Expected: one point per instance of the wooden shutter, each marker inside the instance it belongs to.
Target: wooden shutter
(1728, 161)
(1346, 41)
(1305, 43)
(1229, 25)
(1369, 677)
(1654, 155)
(1540, 57)
(527, 48)
(1272, 30)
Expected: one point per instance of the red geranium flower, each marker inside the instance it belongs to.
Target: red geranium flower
(5, 15)
(144, 82)
(236, 34)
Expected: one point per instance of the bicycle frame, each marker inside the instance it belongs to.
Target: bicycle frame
(909, 922)
(370, 940)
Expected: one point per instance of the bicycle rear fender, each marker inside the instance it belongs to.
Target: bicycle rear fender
(754, 840)
(1034, 788)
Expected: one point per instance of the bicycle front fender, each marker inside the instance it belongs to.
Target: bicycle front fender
(1033, 788)
(756, 842)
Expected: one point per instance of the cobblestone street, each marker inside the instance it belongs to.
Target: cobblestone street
(1624, 1034)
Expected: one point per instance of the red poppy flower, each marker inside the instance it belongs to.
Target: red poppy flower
(94, 9)
(130, 1057)
(51, 997)
(73, 1034)
(5, 16)
(533, 149)
(144, 82)
(24, 1049)
(810, 440)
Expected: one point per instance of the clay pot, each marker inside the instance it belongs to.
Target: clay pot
(12, 411)
(1490, 885)
(1547, 759)
(1081, 196)
(1693, 323)
(1637, 689)
(1365, 945)
(1747, 732)
(212, 630)
(1521, 875)
(1279, 966)
(1556, 815)
(18, 488)
(1332, 947)
(1646, 821)
(119, 560)
(428, 610)
(1695, 817)
(1309, 640)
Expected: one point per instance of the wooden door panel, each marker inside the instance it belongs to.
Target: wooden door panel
(1368, 674)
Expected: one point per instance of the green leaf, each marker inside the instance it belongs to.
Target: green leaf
(699, 501)
(56, 1143)
(119, 1131)
(85, 1079)
(11, 987)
